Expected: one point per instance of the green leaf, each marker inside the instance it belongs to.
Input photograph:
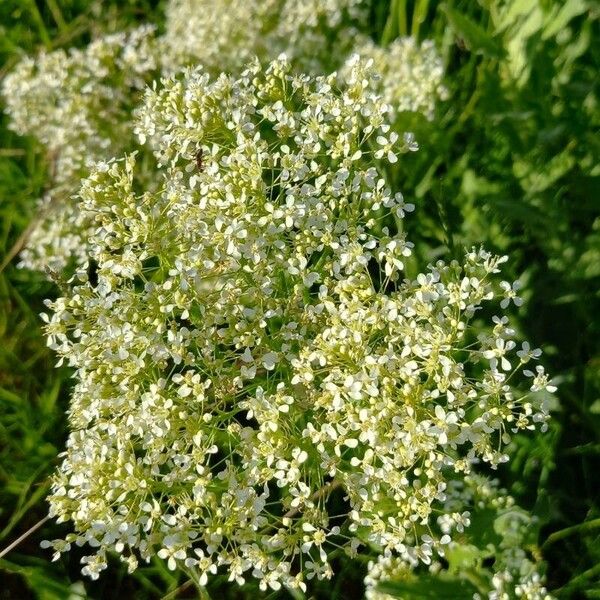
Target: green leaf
(44, 583)
(402, 18)
(516, 10)
(482, 531)
(474, 36)
(595, 407)
(390, 31)
(569, 10)
(462, 557)
(419, 16)
(535, 179)
(425, 587)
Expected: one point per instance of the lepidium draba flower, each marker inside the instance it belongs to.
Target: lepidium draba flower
(256, 384)
(223, 35)
(410, 74)
(77, 104)
(492, 554)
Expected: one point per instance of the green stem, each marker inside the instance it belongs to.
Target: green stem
(389, 31)
(419, 16)
(578, 582)
(57, 15)
(203, 593)
(39, 21)
(584, 527)
(402, 18)
(589, 448)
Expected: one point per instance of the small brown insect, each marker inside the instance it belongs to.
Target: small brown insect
(460, 42)
(92, 272)
(199, 160)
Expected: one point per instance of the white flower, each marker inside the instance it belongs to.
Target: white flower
(527, 353)
(510, 293)
(540, 380)
(498, 353)
(410, 76)
(514, 573)
(223, 35)
(388, 145)
(402, 207)
(410, 142)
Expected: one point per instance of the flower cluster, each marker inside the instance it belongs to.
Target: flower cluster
(256, 384)
(318, 35)
(75, 103)
(411, 74)
(78, 105)
(493, 527)
(223, 36)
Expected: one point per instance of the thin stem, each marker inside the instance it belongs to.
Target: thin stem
(39, 21)
(316, 496)
(56, 15)
(176, 591)
(579, 581)
(23, 537)
(24, 237)
(584, 527)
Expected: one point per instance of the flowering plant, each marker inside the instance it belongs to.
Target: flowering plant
(317, 35)
(490, 556)
(410, 74)
(78, 104)
(248, 355)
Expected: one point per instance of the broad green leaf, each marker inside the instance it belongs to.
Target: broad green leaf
(428, 587)
(569, 10)
(474, 36)
(516, 10)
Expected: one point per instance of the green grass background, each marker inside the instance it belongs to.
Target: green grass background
(512, 160)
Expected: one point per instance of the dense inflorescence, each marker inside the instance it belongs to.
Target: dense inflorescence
(221, 36)
(411, 74)
(488, 526)
(256, 384)
(78, 105)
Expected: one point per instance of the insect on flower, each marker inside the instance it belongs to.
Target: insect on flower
(199, 160)
(92, 272)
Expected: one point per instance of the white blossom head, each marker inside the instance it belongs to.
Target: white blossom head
(78, 104)
(75, 102)
(223, 35)
(411, 74)
(256, 384)
(492, 552)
